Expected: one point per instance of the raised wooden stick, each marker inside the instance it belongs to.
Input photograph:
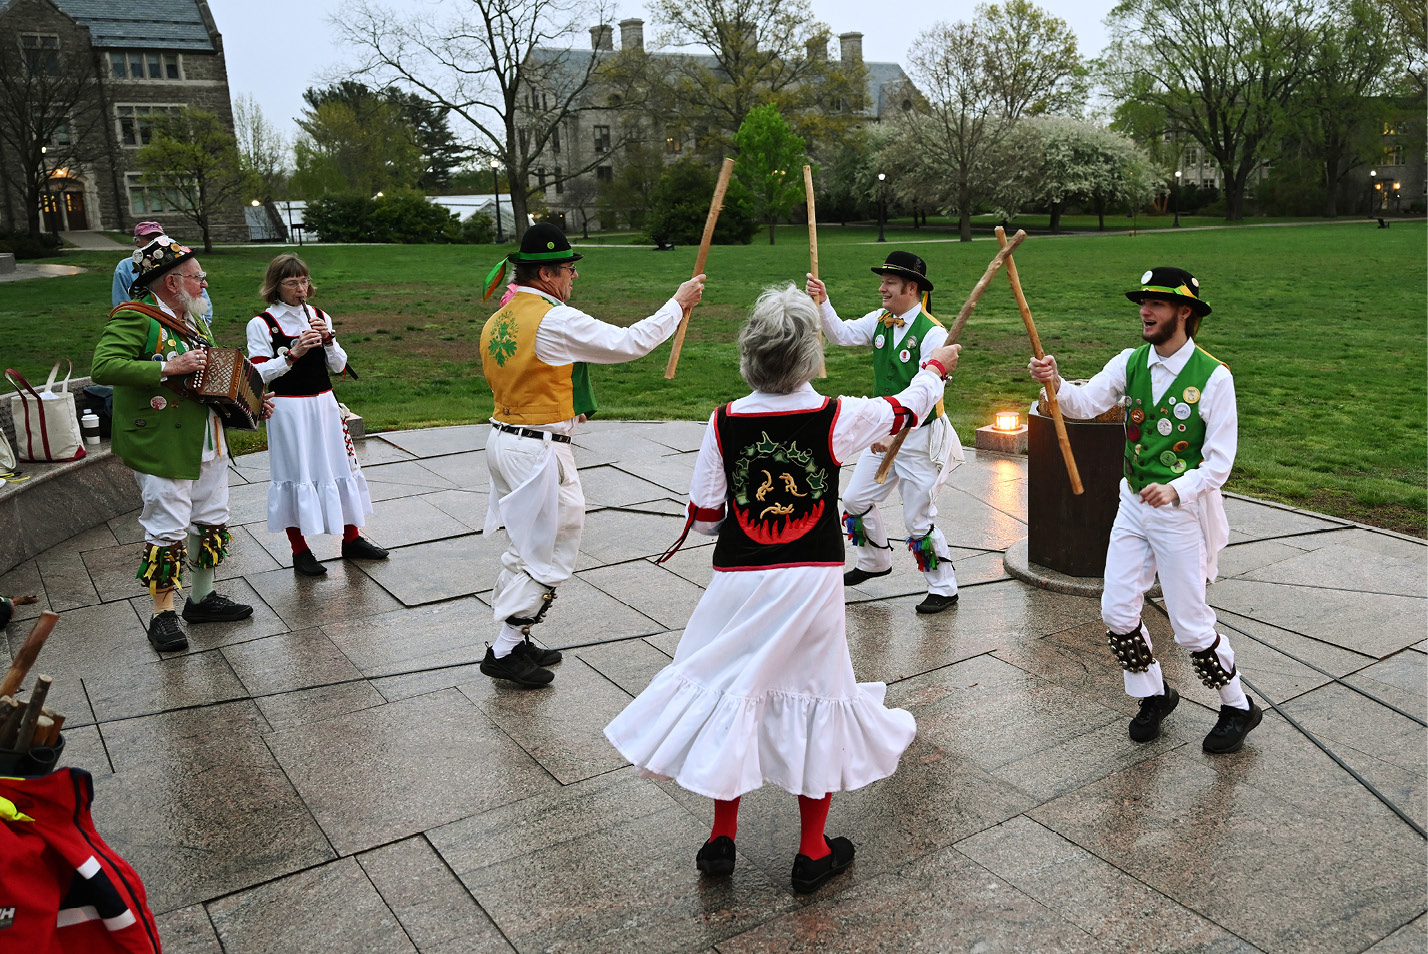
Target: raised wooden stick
(953, 334)
(813, 253)
(25, 658)
(1061, 437)
(714, 206)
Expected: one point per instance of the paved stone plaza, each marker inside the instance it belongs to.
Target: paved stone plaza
(335, 774)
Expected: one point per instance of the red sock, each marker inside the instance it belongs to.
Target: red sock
(812, 816)
(726, 819)
(349, 533)
(295, 538)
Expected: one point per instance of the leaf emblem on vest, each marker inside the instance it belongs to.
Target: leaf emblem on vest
(503, 339)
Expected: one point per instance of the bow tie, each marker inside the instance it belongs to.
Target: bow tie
(890, 320)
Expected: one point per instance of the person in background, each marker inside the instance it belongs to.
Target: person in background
(128, 268)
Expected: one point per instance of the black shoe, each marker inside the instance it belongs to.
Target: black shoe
(855, 576)
(809, 875)
(165, 633)
(306, 564)
(716, 857)
(1229, 733)
(517, 669)
(537, 655)
(362, 549)
(216, 609)
(1145, 727)
(936, 603)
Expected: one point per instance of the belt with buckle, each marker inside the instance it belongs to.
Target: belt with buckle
(527, 432)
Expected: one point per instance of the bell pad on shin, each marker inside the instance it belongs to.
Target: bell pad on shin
(1209, 668)
(1132, 650)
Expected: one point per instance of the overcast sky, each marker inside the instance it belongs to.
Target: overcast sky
(277, 48)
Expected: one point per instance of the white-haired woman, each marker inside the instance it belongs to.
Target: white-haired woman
(762, 687)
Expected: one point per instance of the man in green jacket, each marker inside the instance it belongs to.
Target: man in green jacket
(175, 445)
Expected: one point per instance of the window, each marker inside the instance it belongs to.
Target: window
(140, 65)
(1393, 155)
(136, 123)
(559, 182)
(41, 52)
(1389, 129)
(602, 139)
(147, 196)
(604, 174)
(672, 144)
(524, 138)
(555, 140)
(540, 178)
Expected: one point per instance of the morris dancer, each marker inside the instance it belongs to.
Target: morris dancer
(903, 336)
(174, 445)
(762, 687)
(1181, 435)
(534, 353)
(317, 485)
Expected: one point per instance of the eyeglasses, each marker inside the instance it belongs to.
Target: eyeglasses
(196, 277)
(295, 282)
(569, 268)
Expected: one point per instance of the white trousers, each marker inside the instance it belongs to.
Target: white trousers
(536, 491)
(1169, 542)
(172, 505)
(918, 472)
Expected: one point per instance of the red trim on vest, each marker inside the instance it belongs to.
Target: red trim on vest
(831, 429)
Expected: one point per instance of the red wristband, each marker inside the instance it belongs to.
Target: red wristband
(941, 371)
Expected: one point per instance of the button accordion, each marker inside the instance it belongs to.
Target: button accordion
(230, 385)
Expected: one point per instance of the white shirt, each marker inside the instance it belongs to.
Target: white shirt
(860, 421)
(567, 335)
(863, 331)
(293, 322)
(1217, 408)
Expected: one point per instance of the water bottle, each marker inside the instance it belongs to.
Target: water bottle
(89, 424)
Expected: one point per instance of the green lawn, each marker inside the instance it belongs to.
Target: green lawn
(1323, 326)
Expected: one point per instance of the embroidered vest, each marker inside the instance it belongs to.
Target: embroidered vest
(308, 374)
(527, 390)
(895, 364)
(782, 490)
(1164, 438)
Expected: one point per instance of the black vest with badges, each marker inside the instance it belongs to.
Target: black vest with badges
(308, 374)
(782, 489)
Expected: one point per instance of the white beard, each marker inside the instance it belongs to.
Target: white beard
(195, 306)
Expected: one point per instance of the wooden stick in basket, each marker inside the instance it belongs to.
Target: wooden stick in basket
(715, 205)
(953, 334)
(25, 658)
(1062, 438)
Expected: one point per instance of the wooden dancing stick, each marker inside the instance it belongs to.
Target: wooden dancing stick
(714, 206)
(25, 658)
(953, 334)
(1051, 402)
(813, 253)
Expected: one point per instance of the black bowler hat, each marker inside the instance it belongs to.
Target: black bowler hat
(543, 244)
(1174, 283)
(155, 260)
(905, 265)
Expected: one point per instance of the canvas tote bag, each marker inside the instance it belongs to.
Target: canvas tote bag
(46, 422)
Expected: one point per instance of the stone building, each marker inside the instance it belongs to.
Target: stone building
(150, 57)
(590, 135)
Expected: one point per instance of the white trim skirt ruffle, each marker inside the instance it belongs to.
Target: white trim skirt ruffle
(762, 690)
(316, 486)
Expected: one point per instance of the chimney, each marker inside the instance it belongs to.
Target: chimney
(632, 35)
(852, 46)
(602, 37)
(817, 48)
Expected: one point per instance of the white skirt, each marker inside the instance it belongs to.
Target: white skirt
(316, 486)
(762, 690)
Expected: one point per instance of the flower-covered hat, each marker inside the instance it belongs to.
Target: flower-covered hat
(154, 259)
(1174, 283)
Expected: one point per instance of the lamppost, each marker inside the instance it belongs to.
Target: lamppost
(882, 205)
(1397, 185)
(1176, 223)
(496, 194)
(1373, 191)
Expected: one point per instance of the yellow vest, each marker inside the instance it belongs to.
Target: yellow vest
(527, 390)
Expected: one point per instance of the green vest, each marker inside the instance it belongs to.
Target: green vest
(892, 372)
(155, 430)
(1164, 439)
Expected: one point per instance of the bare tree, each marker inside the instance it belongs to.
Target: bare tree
(262, 150)
(580, 195)
(51, 117)
(1224, 71)
(194, 157)
(505, 67)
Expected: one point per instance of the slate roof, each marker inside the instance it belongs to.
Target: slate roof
(139, 24)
